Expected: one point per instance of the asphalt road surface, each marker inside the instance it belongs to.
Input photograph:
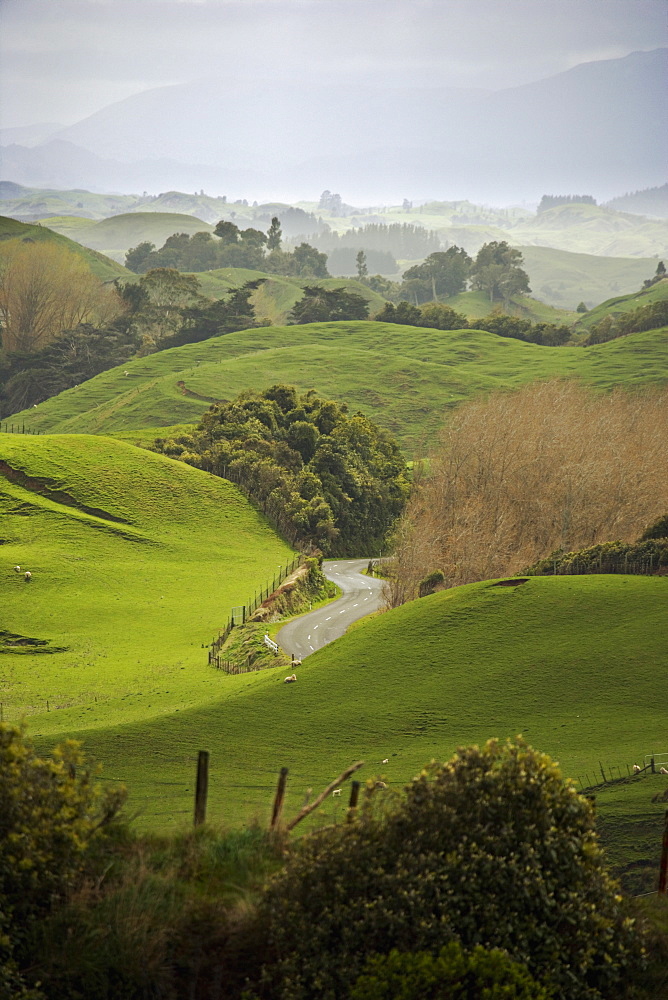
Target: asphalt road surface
(361, 596)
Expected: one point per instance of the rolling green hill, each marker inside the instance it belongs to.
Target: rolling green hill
(625, 303)
(274, 299)
(136, 561)
(116, 235)
(403, 378)
(573, 663)
(565, 279)
(11, 232)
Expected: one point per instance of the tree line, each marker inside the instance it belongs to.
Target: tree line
(234, 247)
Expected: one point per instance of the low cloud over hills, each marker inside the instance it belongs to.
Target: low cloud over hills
(596, 127)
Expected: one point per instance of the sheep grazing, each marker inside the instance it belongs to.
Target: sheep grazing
(337, 791)
(290, 679)
(28, 577)
(663, 770)
(636, 768)
(296, 663)
(17, 569)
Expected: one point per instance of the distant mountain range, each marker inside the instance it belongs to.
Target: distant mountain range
(598, 128)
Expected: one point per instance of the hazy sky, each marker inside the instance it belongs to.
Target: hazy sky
(61, 60)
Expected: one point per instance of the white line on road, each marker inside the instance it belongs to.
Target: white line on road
(312, 649)
(314, 628)
(342, 612)
(308, 636)
(328, 619)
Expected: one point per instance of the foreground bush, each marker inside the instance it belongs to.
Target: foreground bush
(451, 975)
(493, 849)
(51, 811)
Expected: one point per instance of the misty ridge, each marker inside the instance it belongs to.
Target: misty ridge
(597, 127)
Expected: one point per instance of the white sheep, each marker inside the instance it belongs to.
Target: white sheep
(290, 679)
(28, 577)
(636, 768)
(17, 569)
(337, 791)
(296, 663)
(386, 761)
(663, 770)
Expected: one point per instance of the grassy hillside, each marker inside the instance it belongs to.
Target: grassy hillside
(625, 303)
(115, 236)
(574, 663)
(11, 232)
(565, 279)
(404, 378)
(476, 305)
(136, 561)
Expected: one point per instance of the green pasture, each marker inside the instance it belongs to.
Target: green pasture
(13, 232)
(564, 279)
(625, 303)
(136, 562)
(576, 664)
(274, 299)
(405, 378)
(116, 235)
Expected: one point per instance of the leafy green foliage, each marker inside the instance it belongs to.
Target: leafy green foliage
(322, 477)
(452, 974)
(497, 270)
(51, 811)
(493, 848)
(240, 248)
(443, 273)
(643, 556)
(649, 317)
(439, 316)
(324, 305)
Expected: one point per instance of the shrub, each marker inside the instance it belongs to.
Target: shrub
(493, 848)
(51, 812)
(451, 975)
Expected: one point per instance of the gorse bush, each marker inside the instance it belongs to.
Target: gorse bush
(493, 849)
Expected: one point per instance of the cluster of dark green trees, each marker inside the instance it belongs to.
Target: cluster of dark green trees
(496, 270)
(381, 243)
(440, 316)
(229, 247)
(325, 478)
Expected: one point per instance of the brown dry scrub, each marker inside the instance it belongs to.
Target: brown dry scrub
(519, 475)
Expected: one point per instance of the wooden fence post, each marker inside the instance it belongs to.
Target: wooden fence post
(663, 867)
(278, 799)
(202, 787)
(354, 795)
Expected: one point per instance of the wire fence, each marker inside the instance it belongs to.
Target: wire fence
(18, 429)
(241, 614)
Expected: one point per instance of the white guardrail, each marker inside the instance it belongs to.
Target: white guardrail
(270, 643)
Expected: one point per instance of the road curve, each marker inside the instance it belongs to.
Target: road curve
(361, 596)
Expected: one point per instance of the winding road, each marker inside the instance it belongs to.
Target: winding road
(361, 596)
